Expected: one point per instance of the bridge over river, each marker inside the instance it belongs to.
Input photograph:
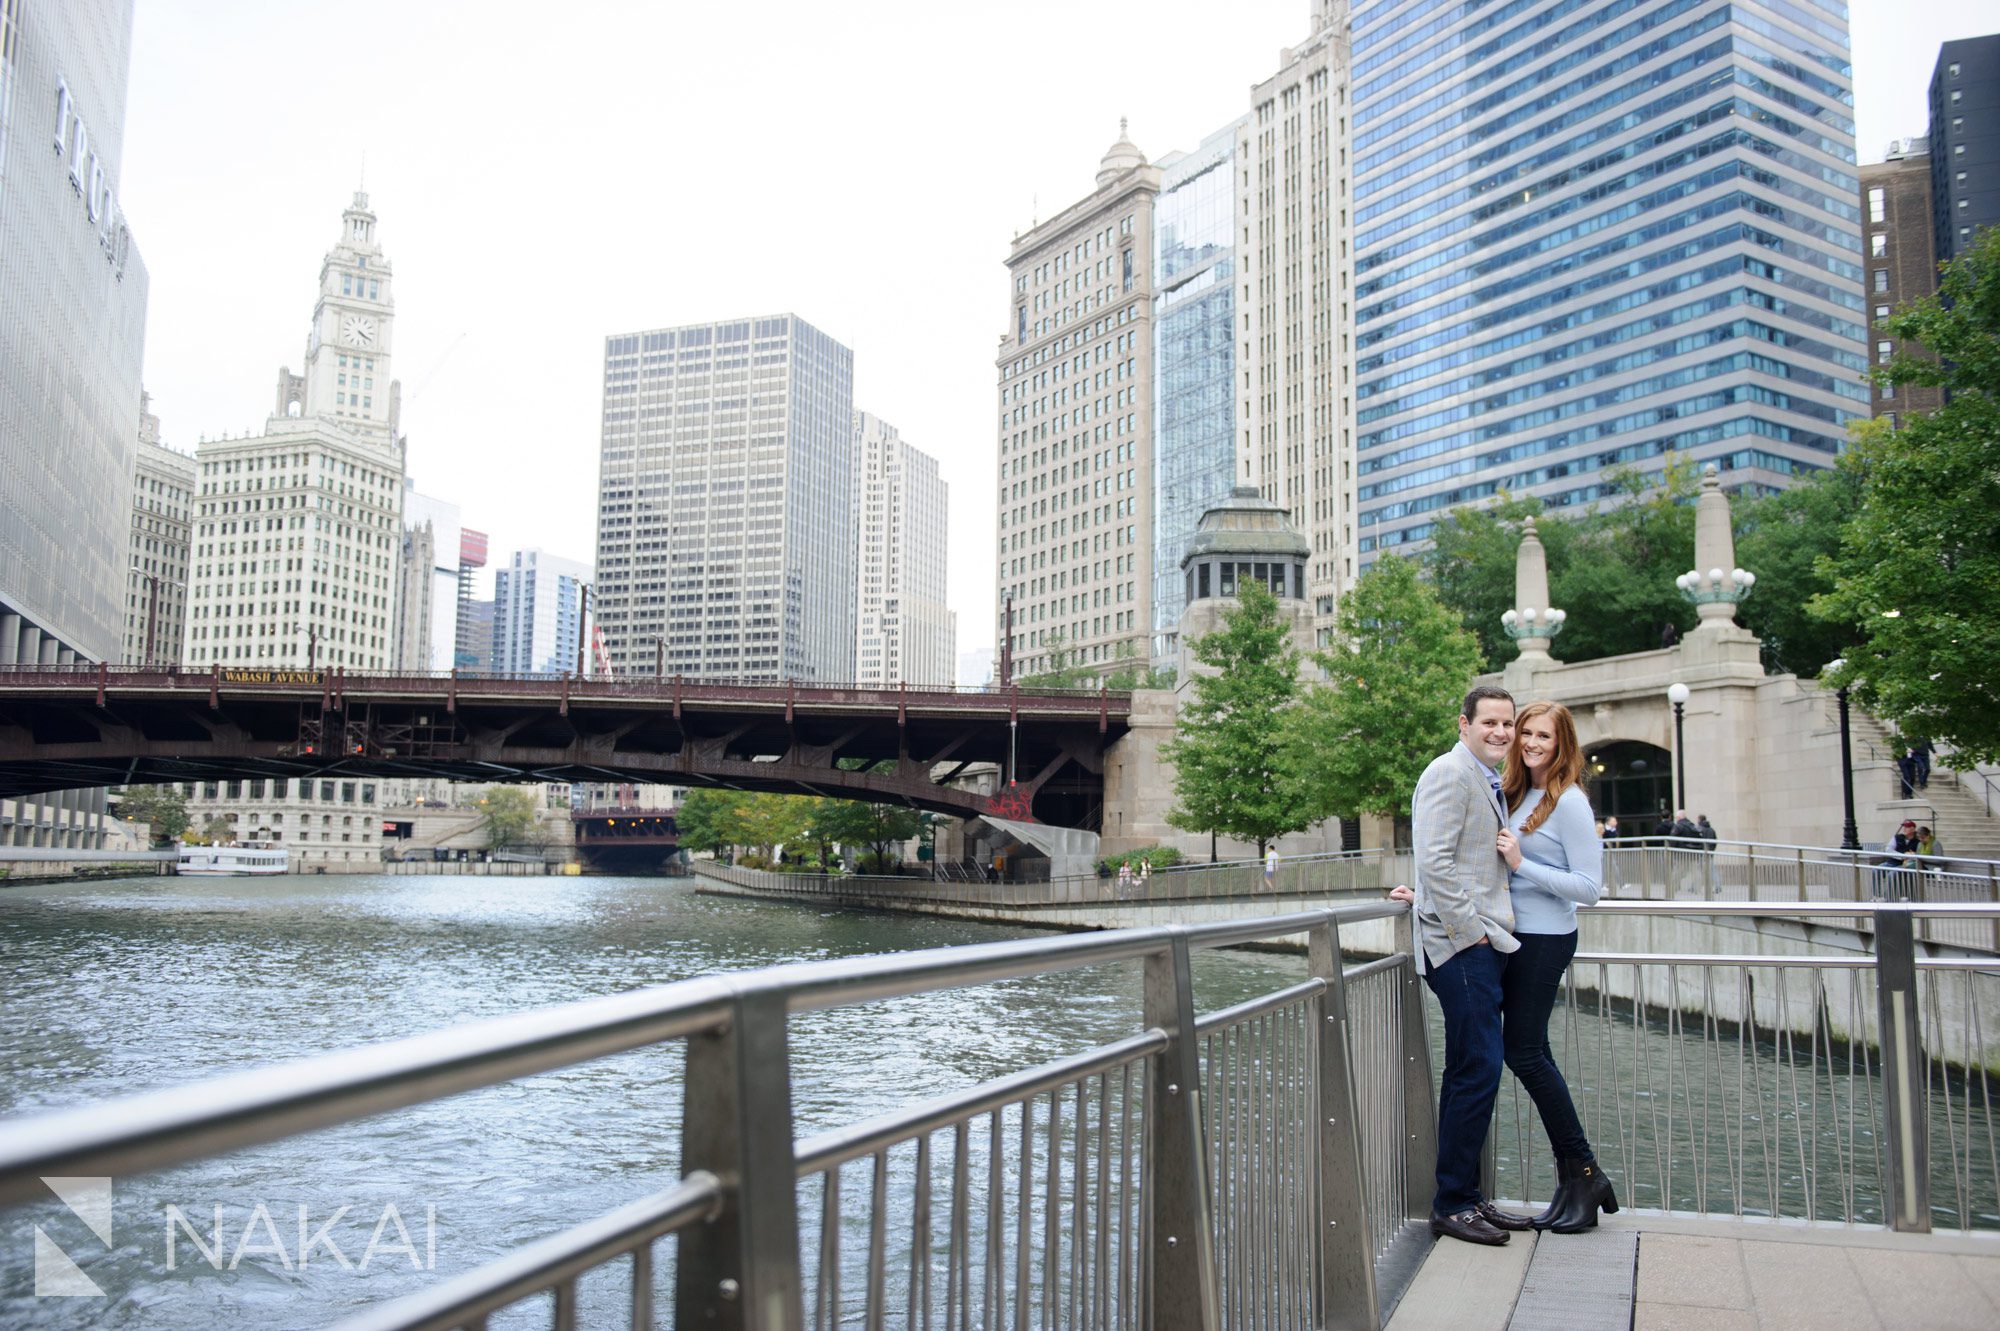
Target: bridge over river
(1253, 1157)
(72, 727)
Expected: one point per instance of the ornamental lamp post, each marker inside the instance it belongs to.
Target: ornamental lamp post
(1850, 835)
(1677, 694)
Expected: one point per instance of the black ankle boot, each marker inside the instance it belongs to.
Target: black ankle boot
(1557, 1201)
(1589, 1192)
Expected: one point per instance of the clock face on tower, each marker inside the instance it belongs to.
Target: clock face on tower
(357, 330)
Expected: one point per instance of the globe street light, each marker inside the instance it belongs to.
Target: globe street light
(1850, 835)
(1677, 694)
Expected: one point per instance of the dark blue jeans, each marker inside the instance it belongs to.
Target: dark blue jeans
(1529, 985)
(1469, 989)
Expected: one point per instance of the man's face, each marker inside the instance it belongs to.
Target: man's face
(1489, 731)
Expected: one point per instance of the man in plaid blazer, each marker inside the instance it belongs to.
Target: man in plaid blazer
(1464, 923)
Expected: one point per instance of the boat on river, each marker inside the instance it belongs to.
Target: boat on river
(252, 858)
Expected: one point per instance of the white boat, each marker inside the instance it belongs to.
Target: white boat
(250, 858)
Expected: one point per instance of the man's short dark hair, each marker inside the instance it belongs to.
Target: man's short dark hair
(1482, 693)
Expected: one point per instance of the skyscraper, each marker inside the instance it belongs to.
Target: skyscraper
(537, 614)
(1902, 263)
(1075, 374)
(475, 626)
(1591, 235)
(1194, 351)
(298, 530)
(427, 627)
(72, 333)
(724, 517)
(162, 490)
(1965, 143)
(905, 633)
(1294, 397)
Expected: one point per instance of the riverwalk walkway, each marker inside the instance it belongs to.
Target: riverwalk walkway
(1659, 1273)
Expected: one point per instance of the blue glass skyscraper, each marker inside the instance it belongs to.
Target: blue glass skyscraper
(1194, 310)
(1590, 233)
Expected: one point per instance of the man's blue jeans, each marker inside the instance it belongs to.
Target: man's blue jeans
(1468, 988)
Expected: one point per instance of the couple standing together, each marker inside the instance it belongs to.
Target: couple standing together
(1506, 849)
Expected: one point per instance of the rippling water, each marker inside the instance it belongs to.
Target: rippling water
(111, 989)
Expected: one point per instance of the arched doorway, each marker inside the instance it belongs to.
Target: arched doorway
(1629, 780)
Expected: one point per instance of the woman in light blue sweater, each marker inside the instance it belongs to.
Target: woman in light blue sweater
(1555, 861)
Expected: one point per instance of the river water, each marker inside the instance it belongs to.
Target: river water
(121, 987)
(116, 988)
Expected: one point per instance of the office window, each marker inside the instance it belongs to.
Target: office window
(1884, 350)
(1878, 246)
(1878, 205)
(1881, 279)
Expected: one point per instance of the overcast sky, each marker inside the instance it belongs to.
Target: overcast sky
(546, 175)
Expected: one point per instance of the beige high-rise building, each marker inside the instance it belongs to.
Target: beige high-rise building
(298, 530)
(156, 580)
(1295, 411)
(904, 631)
(1076, 429)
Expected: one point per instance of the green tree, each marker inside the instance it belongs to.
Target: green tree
(162, 808)
(1236, 768)
(509, 816)
(1471, 564)
(1612, 568)
(770, 821)
(858, 823)
(707, 820)
(217, 831)
(1397, 667)
(1917, 577)
(1788, 539)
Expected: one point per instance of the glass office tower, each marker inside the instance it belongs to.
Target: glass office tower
(1591, 233)
(1194, 310)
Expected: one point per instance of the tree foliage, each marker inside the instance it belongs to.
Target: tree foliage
(1611, 568)
(1237, 771)
(1917, 577)
(162, 808)
(856, 823)
(1785, 538)
(509, 817)
(706, 821)
(1396, 669)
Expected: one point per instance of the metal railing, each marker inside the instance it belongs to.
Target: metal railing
(1657, 868)
(1829, 1084)
(1199, 1172)
(1300, 876)
(1255, 1167)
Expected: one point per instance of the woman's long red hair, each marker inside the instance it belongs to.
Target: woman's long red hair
(1565, 765)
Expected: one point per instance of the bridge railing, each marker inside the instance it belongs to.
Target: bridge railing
(245, 678)
(1201, 1171)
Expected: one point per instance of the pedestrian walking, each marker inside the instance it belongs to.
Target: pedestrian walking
(1124, 880)
(1921, 751)
(1906, 770)
(1271, 867)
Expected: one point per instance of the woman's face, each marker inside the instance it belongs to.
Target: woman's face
(1538, 742)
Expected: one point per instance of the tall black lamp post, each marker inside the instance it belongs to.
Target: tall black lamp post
(1677, 694)
(1850, 835)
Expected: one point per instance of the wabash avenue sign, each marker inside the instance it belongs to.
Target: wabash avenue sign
(272, 676)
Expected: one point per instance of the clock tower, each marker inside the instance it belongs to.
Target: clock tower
(347, 375)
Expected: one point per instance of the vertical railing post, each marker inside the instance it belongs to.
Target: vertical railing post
(1347, 1259)
(1905, 1075)
(1993, 896)
(1419, 1104)
(1180, 1284)
(740, 1271)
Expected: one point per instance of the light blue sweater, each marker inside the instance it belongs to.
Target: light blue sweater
(1562, 865)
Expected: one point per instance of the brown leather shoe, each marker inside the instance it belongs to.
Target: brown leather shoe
(1500, 1219)
(1469, 1226)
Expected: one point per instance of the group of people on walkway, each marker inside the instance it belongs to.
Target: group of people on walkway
(1505, 850)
